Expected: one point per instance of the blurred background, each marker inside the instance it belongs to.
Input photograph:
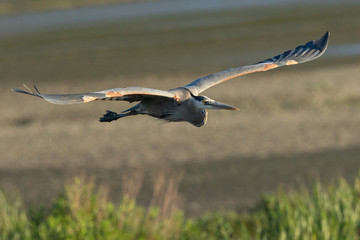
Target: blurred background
(295, 124)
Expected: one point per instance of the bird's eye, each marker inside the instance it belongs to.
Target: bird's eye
(204, 102)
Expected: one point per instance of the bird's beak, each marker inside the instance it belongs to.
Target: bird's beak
(219, 105)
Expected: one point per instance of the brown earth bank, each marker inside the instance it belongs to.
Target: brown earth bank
(214, 185)
(295, 123)
(292, 126)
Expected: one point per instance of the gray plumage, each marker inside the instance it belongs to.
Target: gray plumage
(184, 103)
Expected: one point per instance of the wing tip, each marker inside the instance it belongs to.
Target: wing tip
(295, 56)
(321, 45)
(323, 41)
(16, 90)
(26, 92)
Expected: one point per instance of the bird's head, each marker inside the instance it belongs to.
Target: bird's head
(204, 102)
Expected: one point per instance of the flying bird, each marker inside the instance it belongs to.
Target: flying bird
(184, 104)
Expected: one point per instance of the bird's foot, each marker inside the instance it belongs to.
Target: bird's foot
(109, 116)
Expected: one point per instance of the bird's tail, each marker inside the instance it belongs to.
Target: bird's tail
(30, 92)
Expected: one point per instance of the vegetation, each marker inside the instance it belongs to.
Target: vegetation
(84, 212)
(311, 125)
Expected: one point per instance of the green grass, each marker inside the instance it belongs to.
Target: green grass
(84, 212)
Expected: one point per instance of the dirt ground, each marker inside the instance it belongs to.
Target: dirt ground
(283, 133)
(295, 124)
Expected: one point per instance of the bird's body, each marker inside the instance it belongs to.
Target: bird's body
(184, 109)
(184, 104)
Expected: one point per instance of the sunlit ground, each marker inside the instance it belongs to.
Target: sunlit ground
(296, 123)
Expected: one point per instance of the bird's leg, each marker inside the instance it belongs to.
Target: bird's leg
(111, 116)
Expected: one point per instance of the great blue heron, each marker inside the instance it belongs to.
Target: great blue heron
(184, 103)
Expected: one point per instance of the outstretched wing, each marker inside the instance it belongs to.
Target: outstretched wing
(300, 54)
(129, 94)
